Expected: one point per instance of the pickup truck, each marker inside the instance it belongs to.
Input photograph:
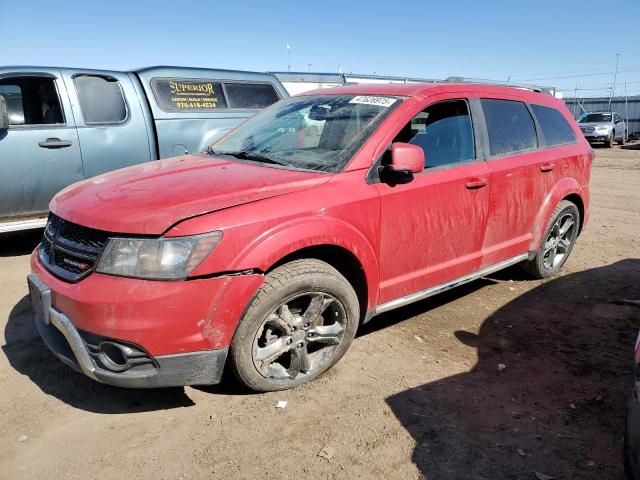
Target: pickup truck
(62, 125)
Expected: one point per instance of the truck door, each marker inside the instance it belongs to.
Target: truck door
(113, 129)
(39, 152)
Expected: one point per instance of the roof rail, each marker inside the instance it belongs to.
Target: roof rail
(525, 86)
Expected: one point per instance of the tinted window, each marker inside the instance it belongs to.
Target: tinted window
(444, 132)
(509, 125)
(250, 95)
(188, 95)
(101, 99)
(554, 126)
(32, 101)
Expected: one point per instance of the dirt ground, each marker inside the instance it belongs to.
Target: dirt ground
(418, 395)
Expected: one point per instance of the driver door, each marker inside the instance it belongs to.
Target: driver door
(432, 228)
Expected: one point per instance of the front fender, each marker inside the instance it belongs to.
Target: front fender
(562, 189)
(284, 239)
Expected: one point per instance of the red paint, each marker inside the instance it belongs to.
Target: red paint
(444, 224)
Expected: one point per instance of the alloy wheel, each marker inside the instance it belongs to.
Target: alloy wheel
(559, 240)
(300, 336)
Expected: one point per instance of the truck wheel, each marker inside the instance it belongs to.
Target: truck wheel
(300, 323)
(609, 142)
(557, 242)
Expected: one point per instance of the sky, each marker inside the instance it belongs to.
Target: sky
(566, 43)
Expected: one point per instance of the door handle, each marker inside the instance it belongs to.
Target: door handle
(476, 183)
(547, 167)
(55, 143)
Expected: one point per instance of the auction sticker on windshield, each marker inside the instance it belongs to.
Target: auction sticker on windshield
(368, 100)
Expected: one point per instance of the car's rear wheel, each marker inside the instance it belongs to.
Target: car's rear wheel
(300, 323)
(623, 139)
(557, 242)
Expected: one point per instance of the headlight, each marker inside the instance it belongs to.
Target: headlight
(156, 258)
(603, 127)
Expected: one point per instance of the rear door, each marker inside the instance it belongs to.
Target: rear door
(39, 152)
(113, 129)
(517, 188)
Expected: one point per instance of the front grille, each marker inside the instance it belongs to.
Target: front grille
(71, 251)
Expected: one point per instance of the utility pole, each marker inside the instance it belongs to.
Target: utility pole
(626, 106)
(615, 77)
(309, 64)
(288, 57)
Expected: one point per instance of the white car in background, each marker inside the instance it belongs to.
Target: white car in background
(606, 127)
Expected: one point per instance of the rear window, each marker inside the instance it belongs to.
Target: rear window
(509, 125)
(202, 95)
(250, 95)
(101, 99)
(555, 128)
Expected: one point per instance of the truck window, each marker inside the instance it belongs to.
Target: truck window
(101, 99)
(188, 95)
(509, 125)
(554, 126)
(32, 101)
(250, 95)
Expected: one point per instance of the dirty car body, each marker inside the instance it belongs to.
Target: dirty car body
(266, 252)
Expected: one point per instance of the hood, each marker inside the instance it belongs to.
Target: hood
(595, 124)
(151, 197)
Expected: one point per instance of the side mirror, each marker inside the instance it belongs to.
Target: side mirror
(4, 114)
(406, 159)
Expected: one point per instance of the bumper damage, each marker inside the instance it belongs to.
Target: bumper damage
(114, 362)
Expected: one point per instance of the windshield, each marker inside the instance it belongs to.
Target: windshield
(310, 132)
(595, 117)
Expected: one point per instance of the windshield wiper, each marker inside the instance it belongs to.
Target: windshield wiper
(256, 157)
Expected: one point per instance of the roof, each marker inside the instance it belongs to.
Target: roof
(416, 89)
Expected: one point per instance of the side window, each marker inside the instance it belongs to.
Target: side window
(250, 95)
(509, 125)
(101, 99)
(444, 131)
(32, 101)
(555, 129)
(13, 98)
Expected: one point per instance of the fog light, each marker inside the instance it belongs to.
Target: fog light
(114, 356)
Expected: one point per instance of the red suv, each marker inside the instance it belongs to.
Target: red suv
(266, 252)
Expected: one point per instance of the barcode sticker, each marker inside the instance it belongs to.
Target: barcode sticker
(368, 100)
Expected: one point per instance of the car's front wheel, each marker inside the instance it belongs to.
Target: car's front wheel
(300, 323)
(557, 242)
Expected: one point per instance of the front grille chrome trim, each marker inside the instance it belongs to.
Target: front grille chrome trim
(80, 246)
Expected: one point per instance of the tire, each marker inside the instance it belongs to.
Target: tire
(283, 316)
(542, 265)
(623, 139)
(610, 141)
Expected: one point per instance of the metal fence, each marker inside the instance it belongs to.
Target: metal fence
(628, 108)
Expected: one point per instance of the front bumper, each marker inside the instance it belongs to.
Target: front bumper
(163, 333)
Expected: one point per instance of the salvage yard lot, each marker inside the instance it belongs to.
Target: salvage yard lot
(418, 395)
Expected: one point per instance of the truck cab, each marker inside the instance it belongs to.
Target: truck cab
(63, 125)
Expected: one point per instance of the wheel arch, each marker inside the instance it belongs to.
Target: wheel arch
(566, 189)
(331, 240)
(339, 258)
